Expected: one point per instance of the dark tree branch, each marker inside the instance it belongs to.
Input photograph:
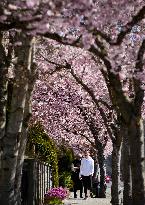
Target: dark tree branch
(115, 87)
(139, 92)
(23, 24)
(61, 66)
(81, 134)
(94, 130)
(125, 30)
(109, 107)
(58, 67)
(91, 93)
(139, 60)
(64, 40)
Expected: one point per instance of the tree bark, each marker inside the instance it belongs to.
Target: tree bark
(23, 140)
(101, 159)
(126, 170)
(12, 138)
(136, 139)
(3, 104)
(3, 94)
(115, 174)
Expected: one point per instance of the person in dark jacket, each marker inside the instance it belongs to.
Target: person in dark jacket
(77, 183)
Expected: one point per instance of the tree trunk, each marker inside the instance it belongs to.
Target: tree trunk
(3, 90)
(136, 139)
(101, 159)
(23, 140)
(3, 104)
(3, 94)
(126, 171)
(115, 174)
(11, 141)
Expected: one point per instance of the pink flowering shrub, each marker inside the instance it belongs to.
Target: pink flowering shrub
(55, 196)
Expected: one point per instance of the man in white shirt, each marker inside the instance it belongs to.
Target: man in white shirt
(86, 172)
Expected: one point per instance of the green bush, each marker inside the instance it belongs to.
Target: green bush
(65, 159)
(65, 180)
(42, 147)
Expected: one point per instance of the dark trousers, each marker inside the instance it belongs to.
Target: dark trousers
(87, 183)
(75, 188)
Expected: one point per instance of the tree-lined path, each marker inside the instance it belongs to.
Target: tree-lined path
(74, 72)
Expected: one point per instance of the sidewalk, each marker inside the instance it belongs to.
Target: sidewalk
(89, 201)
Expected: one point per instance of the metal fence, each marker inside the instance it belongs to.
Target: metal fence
(36, 180)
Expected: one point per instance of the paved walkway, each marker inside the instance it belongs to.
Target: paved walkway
(92, 201)
(89, 201)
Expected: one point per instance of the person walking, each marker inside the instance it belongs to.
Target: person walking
(77, 182)
(86, 173)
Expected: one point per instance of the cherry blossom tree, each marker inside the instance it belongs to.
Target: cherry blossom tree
(17, 79)
(113, 31)
(98, 131)
(122, 74)
(114, 132)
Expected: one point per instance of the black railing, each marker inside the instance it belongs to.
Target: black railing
(36, 180)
